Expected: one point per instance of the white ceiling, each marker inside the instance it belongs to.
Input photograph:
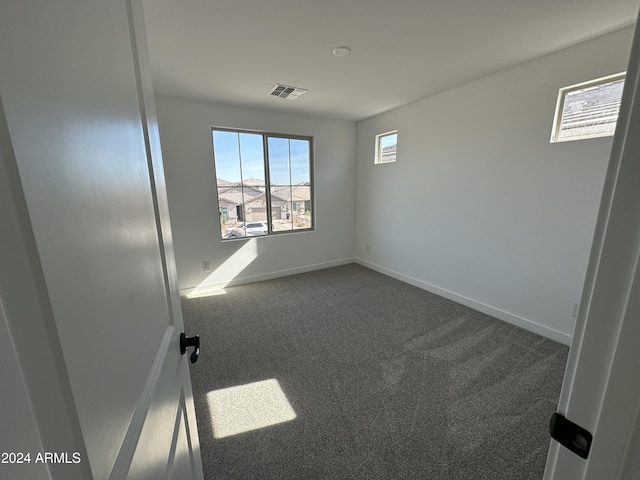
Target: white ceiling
(236, 51)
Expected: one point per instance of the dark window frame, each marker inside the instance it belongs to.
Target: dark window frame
(268, 186)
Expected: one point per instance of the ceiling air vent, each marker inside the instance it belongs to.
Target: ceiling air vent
(284, 91)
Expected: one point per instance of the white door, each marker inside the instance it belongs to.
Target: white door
(601, 389)
(81, 135)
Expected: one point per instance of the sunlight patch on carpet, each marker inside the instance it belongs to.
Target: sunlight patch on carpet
(244, 408)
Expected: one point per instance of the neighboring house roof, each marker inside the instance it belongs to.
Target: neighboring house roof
(236, 197)
(260, 198)
(232, 198)
(254, 182)
(296, 193)
(222, 183)
(238, 193)
(238, 186)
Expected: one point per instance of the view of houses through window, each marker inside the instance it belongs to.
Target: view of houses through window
(386, 147)
(264, 183)
(588, 110)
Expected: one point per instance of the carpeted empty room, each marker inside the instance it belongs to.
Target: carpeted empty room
(346, 373)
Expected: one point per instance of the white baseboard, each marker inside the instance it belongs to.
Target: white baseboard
(498, 313)
(205, 289)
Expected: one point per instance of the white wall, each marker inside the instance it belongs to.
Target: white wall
(185, 132)
(494, 216)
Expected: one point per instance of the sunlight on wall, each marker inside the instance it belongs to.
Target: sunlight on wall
(248, 407)
(218, 279)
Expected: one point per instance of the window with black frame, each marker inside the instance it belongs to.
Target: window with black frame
(264, 183)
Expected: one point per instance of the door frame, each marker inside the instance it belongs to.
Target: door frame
(598, 393)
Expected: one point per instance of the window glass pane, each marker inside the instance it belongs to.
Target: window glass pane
(238, 231)
(279, 167)
(282, 216)
(226, 222)
(588, 110)
(232, 214)
(255, 204)
(301, 206)
(252, 159)
(256, 229)
(300, 162)
(290, 177)
(388, 147)
(226, 152)
(591, 111)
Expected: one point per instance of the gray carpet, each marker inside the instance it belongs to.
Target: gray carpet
(387, 381)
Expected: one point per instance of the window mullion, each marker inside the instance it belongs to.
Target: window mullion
(267, 181)
(244, 205)
(290, 183)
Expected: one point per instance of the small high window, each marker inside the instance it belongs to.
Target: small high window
(386, 147)
(588, 110)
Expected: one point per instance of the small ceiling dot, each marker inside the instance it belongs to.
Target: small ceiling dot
(341, 51)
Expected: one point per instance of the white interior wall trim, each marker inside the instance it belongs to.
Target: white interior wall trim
(267, 276)
(495, 312)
